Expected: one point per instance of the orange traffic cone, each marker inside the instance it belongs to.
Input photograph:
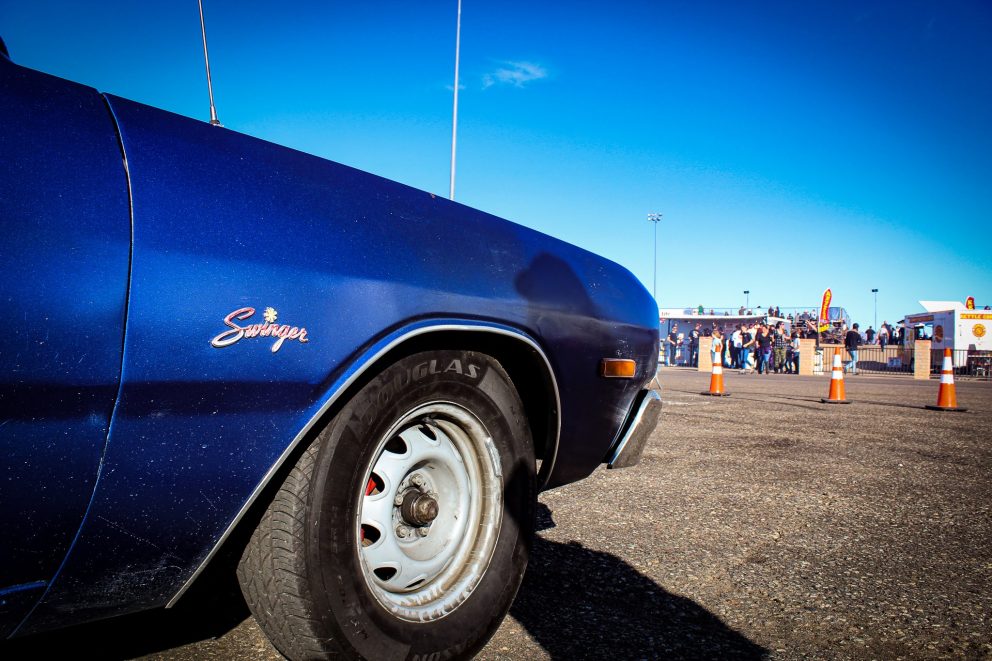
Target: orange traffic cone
(836, 395)
(947, 398)
(716, 380)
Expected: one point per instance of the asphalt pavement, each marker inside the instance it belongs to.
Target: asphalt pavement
(761, 525)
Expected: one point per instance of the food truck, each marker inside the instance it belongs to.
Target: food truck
(951, 325)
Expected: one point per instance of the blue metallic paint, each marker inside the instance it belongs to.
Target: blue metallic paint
(66, 239)
(224, 221)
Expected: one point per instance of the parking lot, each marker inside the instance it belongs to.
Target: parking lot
(765, 524)
(768, 523)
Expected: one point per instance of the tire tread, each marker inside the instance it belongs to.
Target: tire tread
(274, 570)
(272, 573)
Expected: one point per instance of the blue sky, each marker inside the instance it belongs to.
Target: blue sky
(790, 146)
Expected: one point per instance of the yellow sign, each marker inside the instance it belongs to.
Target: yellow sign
(827, 295)
(970, 303)
(978, 330)
(986, 315)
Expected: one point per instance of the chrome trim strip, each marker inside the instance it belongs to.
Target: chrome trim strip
(546, 467)
(647, 400)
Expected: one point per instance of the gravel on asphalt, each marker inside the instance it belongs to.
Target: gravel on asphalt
(761, 525)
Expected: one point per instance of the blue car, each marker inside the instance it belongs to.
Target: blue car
(222, 354)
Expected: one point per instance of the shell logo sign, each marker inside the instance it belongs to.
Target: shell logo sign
(978, 330)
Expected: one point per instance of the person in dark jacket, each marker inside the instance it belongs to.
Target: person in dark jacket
(851, 342)
(764, 342)
(671, 344)
(694, 345)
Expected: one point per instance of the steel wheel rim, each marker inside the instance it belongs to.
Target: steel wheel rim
(420, 571)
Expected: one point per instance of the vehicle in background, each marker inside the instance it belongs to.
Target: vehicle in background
(951, 325)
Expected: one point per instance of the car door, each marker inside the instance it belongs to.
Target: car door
(64, 256)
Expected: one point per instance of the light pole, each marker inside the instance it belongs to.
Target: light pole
(747, 299)
(655, 218)
(875, 292)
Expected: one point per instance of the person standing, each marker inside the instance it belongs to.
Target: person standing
(764, 344)
(883, 335)
(795, 352)
(716, 349)
(671, 342)
(779, 345)
(747, 342)
(851, 342)
(870, 335)
(694, 345)
(735, 347)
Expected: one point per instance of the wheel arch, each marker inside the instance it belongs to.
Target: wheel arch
(519, 354)
(527, 366)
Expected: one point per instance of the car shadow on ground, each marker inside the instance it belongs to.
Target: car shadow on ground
(575, 602)
(578, 603)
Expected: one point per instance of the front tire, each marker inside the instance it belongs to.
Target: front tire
(402, 531)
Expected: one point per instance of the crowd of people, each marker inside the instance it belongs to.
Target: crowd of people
(763, 348)
(748, 347)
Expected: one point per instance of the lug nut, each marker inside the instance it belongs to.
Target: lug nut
(423, 531)
(401, 531)
(398, 500)
(417, 480)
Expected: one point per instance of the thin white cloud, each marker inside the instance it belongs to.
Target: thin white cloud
(515, 74)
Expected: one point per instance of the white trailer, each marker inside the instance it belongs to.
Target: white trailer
(968, 333)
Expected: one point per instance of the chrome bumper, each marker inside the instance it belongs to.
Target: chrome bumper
(628, 450)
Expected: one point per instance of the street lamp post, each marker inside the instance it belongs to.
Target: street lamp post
(875, 292)
(747, 299)
(655, 218)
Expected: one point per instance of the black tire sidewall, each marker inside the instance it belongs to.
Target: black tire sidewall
(349, 613)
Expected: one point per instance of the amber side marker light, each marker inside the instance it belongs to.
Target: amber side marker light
(617, 368)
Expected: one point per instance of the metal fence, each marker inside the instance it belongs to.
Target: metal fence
(895, 359)
(967, 363)
(890, 360)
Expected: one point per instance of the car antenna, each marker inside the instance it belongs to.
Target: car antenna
(206, 60)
